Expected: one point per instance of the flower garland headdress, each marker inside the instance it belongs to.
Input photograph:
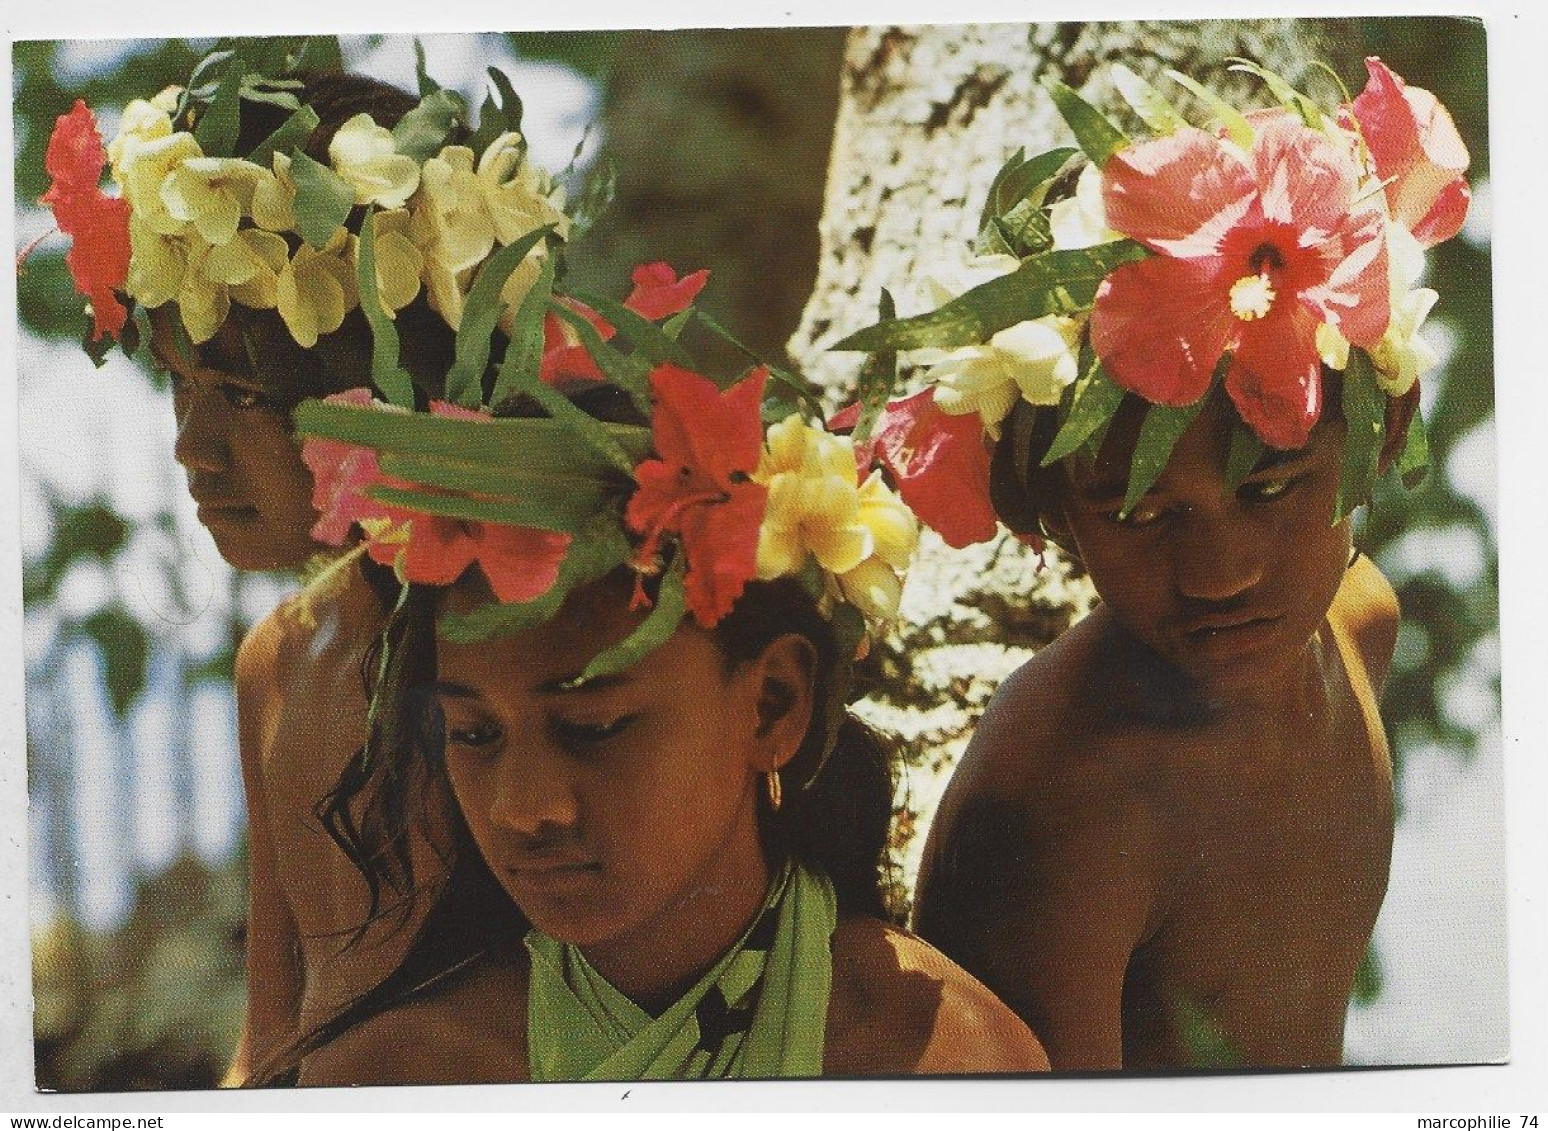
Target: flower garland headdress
(197, 224)
(1250, 255)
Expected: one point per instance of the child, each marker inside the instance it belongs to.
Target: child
(1168, 841)
(248, 318)
(667, 834)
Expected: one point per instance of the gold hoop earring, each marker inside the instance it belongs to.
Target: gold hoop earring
(776, 791)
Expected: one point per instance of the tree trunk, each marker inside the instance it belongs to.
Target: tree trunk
(926, 117)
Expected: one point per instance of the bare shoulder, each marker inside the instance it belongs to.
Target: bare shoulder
(470, 1030)
(1366, 611)
(901, 1007)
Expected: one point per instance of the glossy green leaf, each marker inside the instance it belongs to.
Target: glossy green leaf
(426, 84)
(1096, 399)
(565, 498)
(422, 132)
(1096, 135)
(650, 341)
(506, 512)
(1246, 450)
(293, 133)
(673, 326)
(216, 132)
(1020, 179)
(387, 374)
(1058, 282)
(1365, 426)
(510, 102)
(630, 374)
(1025, 229)
(323, 199)
(878, 377)
(1414, 463)
(596, 551)
(1147, 102)
(524, 354)
(651, 633)
(1163, 426)
(480, 315)
(1232, 120)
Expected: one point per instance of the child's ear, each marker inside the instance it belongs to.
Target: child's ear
(786, 673)
(1400, 414)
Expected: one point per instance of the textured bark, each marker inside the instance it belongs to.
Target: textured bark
(720, 139)
(926, 117)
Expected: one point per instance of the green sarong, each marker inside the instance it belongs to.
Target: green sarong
(761, 1011)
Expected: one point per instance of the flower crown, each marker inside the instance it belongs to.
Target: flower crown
(201, 226)
(1250, 255)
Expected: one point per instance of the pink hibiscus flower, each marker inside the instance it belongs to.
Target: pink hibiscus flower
(340, 475)
(938, 460)
(1252, 257)
(1417, 151)
(699, 486)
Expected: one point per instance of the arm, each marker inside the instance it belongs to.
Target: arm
(1043, 900)
(274, 974)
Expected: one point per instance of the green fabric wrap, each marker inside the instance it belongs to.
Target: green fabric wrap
(760, 1011)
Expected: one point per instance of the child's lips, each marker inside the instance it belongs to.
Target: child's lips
(1232, 633)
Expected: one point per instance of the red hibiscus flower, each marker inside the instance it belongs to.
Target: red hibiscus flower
(1253, 256)
(1418, 153)
(938, 460)
(97, 224)
(700, 486)
(520, 562)
(658, 293)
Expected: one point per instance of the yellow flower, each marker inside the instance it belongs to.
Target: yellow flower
(142, 122)
(146, 167)
(876, 584)
(814, 502)
(1332, 347)
(211, 193)
(250, 265)
(316, 289)
(274, 197)
(450, 224)
(520, 196)
(1034, 360)
(1403, 356)
(398, 261)
(363, 153)
(202, 303)
(157, 264)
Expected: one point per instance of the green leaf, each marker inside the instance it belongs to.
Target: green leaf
(1414, 463)
(323, 199)
(1019, 180)
(125, 650)
(427, 85)
(293, 133)
(506, 512)
(1057, 282)
(254, 92)
(387, 374)
(422, 132)
(792, 386)
(551, 500)
(650, 342)
(1365, 426)
(1096, 135)
(1025, 229)
(1246, 450)
(1290, 98)
(216, 132)
(1095, 401)
(652, 632)
(533, 445)
(1232, 120)
(1151, 106)
(596, 551)
(510, 102)
(524, 354)
(480, 315)
(1158, 436)
(878, 378)
(319, 53)
(673, 326)
(630, 374)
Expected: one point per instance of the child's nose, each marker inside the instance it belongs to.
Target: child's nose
(203, 433)
(1218, 559)
(533, 793)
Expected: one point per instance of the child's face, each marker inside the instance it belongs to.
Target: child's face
(612, 813)
(244, 468)
(1228, 587)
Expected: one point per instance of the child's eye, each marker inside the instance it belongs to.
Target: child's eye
(1145, 513)
(474, 736)
(574, 733)
(1266, 490)
(241, 397)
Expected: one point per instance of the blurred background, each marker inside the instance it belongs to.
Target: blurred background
(720, 142)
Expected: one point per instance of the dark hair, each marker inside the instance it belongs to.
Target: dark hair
(1021, 490)
(835, 816)
(342, 359)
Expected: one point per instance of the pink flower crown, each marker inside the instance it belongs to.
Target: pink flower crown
(1251, 255)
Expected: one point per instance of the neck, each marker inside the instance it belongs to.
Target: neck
(657, 962)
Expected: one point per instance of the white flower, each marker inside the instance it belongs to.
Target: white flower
(1035, 360)
(363, 153)
(1403, 356)
(1081, 220)
(950, 280)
